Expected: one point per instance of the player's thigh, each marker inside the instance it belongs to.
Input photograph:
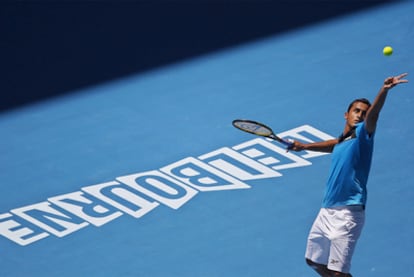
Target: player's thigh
(318, 245)
(344, 241)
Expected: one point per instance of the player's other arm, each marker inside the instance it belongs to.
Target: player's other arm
(374, 111)
(322, 146)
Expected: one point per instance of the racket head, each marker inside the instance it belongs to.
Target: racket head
(260, 129)
(252, 127)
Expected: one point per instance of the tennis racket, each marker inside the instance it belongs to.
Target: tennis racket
(259, 129)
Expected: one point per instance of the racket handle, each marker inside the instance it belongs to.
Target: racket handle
(289, 143)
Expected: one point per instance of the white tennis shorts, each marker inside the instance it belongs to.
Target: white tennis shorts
(333, 237)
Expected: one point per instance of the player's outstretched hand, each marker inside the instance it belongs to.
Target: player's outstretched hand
(391, 82)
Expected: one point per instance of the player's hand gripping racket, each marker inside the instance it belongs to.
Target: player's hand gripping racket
(259, 129)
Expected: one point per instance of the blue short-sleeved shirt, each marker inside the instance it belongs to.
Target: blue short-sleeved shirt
(351, 162)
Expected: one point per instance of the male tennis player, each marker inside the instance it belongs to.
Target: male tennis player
(337, 227)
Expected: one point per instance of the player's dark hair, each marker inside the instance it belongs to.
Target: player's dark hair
(362, 100)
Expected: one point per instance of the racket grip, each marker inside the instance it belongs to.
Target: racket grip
(289, 143)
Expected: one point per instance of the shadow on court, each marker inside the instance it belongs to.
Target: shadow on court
(53, 48)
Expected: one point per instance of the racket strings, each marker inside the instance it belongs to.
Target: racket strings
(254, 128)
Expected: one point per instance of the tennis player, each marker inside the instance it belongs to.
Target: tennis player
(336, 229)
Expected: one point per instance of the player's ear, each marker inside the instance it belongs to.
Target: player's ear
(346, 115)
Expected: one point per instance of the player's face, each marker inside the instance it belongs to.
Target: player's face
(356, 114)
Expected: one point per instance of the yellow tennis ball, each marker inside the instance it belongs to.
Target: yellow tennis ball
(387, 50)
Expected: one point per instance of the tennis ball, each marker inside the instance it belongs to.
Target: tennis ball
(387, 50)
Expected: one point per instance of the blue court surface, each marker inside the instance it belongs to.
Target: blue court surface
(145, 175)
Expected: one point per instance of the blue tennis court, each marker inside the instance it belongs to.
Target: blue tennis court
(145, 175)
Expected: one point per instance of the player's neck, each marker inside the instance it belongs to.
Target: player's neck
(348, 128)
(348, 132)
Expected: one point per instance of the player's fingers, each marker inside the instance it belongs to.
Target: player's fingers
(402, 75)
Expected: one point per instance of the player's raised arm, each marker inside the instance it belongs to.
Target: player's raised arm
(373, 112)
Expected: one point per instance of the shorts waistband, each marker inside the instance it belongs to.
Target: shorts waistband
(356, 207)
(348, 207)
